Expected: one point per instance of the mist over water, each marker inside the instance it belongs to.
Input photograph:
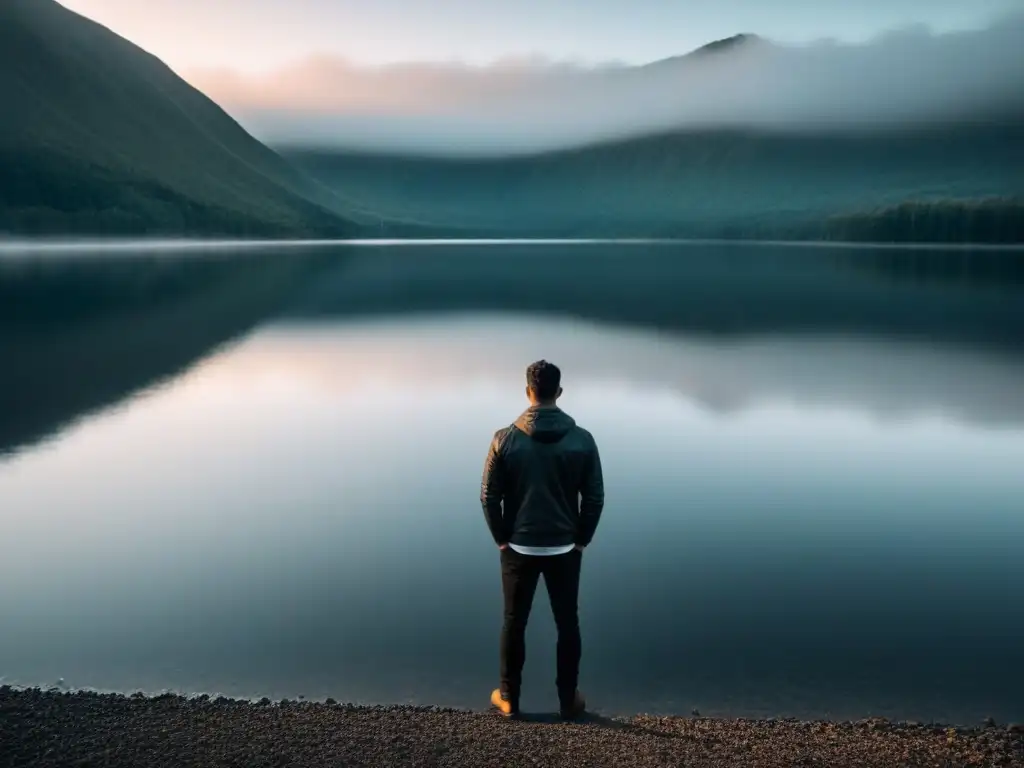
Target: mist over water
(907, 76)
(256, 473)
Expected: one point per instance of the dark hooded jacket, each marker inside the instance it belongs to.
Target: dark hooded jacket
(542, 483)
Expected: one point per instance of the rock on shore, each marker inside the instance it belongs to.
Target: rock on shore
(43, 729)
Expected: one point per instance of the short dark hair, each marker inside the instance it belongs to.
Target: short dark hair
(544, 379)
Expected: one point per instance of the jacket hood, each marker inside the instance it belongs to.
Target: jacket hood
(545, 423)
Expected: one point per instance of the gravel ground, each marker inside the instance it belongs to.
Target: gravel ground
(40, 729)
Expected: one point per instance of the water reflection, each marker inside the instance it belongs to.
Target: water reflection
(298, 515)
(712, 290)
(78, 334)
(81, 334)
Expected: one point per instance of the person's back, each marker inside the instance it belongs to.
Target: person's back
(542, 494)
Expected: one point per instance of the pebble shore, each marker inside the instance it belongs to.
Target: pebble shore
(42, 729)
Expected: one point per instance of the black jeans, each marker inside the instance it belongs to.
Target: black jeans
(519, 577)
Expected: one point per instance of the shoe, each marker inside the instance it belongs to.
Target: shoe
(574, 710)
(503, 703)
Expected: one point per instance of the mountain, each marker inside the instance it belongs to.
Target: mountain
(724, 45)
(947, 181)
(912, 137)
(100, 137)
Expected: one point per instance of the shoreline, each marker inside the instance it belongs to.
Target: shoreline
(54, 728)
(20, 245)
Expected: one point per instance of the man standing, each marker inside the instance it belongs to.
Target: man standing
(542, 494)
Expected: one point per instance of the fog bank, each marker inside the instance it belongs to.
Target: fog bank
(907, 75)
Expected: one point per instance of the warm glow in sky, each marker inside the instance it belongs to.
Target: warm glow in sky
(255, 35)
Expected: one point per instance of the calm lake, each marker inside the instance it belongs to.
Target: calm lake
(257, 473)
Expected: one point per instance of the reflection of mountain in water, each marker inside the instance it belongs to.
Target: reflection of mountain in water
(716, 289)
(78, 336)
(82, 335)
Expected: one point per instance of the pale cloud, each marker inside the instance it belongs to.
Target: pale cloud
(326, 84)
(533, 103)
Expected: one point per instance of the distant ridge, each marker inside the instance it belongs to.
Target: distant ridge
(728, 43)
(945, 183)
(714, 49)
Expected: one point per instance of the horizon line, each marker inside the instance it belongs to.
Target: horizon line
(86, 246)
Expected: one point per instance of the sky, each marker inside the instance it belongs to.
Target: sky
(250, 36)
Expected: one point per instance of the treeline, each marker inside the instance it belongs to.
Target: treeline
(989, 220)
(982, 221)
(44, 193)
